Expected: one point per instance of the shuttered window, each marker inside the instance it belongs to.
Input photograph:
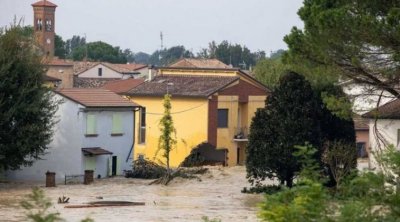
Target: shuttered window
(222, 118)
(91, 124)
(117, 123)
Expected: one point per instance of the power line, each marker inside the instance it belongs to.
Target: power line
(182, 111)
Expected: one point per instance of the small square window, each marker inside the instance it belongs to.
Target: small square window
(100, 71)
(222, 118)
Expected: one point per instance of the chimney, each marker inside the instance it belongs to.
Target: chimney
(151, 73)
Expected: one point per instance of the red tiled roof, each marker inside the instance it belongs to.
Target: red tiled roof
(96, 97)
(182, 85)
(125, 68)
(122, 86)
(60, 62)
(50, 78)
(390, 110)
(80, 67)
(44, 3)
(200, 63)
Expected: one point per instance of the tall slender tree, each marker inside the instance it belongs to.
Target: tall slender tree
(167, 140)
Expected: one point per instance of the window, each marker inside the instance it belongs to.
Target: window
(142, 125)
(116, 124)
(100, 72)
(48, 25)
(361, 150)
(222, 118)
(91, 124)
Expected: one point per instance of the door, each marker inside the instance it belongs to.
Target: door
(114, 166)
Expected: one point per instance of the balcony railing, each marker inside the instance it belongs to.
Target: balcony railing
(241, 134)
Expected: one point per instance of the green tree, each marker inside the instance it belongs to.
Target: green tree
(59, 47)
(269, 71)
(26, 106)
(357, 38)
(75, 42)
(99, 51)
(167, 140)
(290, 117)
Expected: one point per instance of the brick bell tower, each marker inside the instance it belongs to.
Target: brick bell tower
(44, 25)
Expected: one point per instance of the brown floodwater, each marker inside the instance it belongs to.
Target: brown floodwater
(216, 196)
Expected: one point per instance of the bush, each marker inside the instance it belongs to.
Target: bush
(268, 189)
(146, 169)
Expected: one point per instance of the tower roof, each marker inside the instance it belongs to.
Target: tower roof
(44, 3)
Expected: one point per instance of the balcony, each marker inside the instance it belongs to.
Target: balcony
(241, 134)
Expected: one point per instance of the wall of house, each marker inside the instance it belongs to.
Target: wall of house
(65, 73)
(190, 121)
(225, 135)
(64, 154)
(388, 130)
(106, 73)
(362, 136)
(119, 145)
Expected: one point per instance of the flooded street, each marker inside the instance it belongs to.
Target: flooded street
(217, 196)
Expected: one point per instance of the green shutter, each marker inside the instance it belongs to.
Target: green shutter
(117, 123)
(91, 124)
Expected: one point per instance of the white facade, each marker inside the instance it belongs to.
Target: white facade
(108, 73)
(389, 132)
(105, 72)
(65, 156)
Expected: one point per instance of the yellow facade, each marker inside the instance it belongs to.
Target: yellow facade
(190, 121)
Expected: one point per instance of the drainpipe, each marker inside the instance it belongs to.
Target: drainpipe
(133, 139)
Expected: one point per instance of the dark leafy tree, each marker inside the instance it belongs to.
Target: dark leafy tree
(99, 51)
(233, 54)
(358, 38)
(167, 56)
(75, 42)
(141, 57)
(290, 117)
(59, 47)
(26, 106)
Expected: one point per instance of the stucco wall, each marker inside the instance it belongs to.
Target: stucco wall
(388, 129)
(64, 153)
(190, 121)
(65, 73)
(106, 73)
(225, 135)
(119, 145)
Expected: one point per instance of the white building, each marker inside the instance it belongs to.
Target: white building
(94, 132)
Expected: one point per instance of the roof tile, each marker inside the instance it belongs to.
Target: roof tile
(96, 97)
(182, 85)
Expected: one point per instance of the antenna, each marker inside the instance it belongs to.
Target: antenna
(162, 40)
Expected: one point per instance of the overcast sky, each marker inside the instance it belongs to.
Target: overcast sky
(136, 24)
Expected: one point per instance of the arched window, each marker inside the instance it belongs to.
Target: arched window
(39, 24)
(48, 25)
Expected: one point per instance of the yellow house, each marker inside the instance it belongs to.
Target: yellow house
(208, 104)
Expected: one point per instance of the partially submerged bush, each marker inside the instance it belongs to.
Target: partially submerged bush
(268, 189)
(146, 169)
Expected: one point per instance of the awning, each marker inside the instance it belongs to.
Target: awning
(95, 151)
